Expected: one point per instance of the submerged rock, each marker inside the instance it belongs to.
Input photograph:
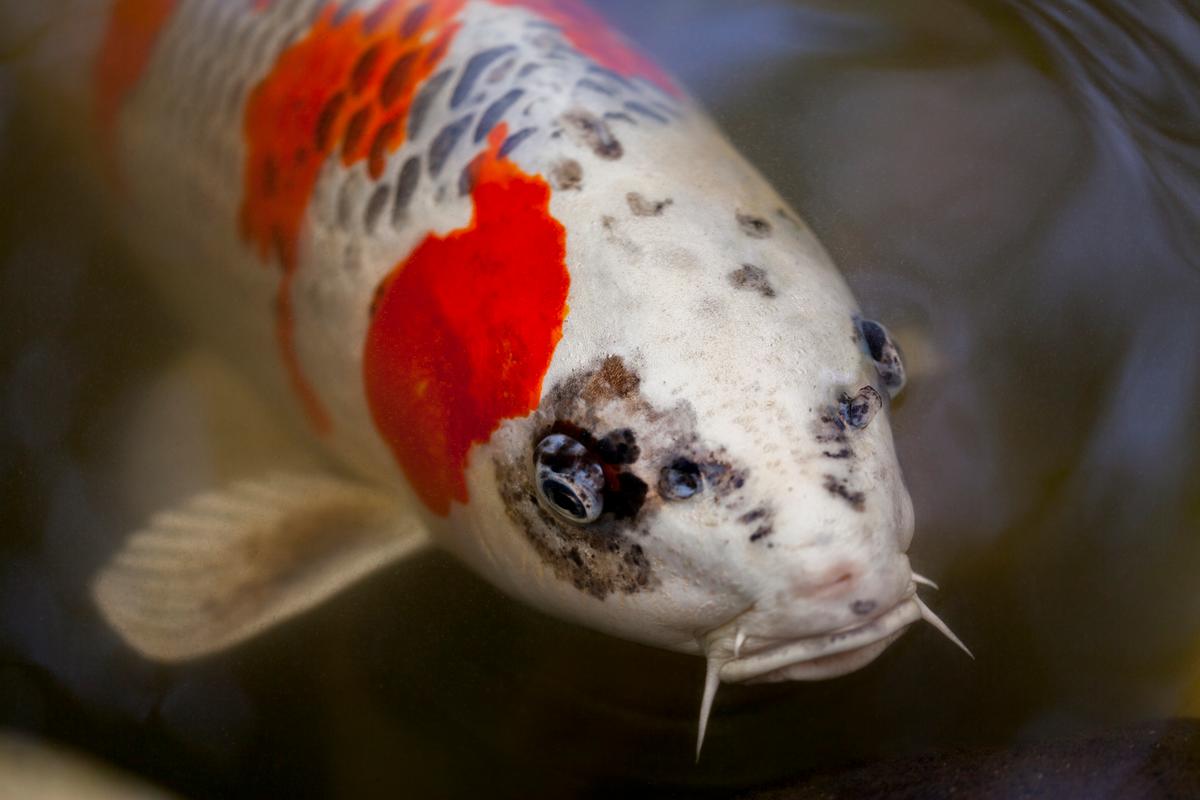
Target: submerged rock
(1148, 760)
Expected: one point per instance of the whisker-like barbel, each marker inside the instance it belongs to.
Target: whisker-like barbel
(933, 619)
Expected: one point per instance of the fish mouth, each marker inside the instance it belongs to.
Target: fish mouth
(825, 656)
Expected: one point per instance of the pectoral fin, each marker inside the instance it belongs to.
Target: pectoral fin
(227, 565)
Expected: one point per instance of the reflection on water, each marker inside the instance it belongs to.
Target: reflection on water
(1011, 185)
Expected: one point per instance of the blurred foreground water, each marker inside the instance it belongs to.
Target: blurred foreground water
(1011, 186)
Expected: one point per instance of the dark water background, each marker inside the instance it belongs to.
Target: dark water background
(1014, 183)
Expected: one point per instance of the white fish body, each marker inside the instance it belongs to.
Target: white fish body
(530, 299)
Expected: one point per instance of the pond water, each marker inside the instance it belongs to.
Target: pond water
(1011, 186)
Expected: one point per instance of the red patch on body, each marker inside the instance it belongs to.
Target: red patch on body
(464, 329)
(588, 32)
(346, 87)
(133, 29)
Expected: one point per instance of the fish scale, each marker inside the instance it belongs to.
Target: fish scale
(500, 267)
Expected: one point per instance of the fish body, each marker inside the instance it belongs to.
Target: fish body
(503, 270)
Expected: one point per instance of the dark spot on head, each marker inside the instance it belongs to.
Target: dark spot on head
(566, 175)
(838, 488)
(845, 452)
(626, 500)
(754, 227)
(752, 516)
(594, 133)
(619, 447)
(863, 607)
(761, 532)
(752, 278)
(641, 207)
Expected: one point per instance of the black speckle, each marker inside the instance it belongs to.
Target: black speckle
(845, 452)
(762, 532)
(863, 607)
(566, 175)
(424, 101)
(613, 77)
(376, 205)
(414, 20)
(620, 116)
(594, 133)
(443, 144)
(641, 207)
(495, 112)
(646, 111)
(753, 279)
(619, 447)
(752, 516)
(501, 71)
(475, 67)
(406, 187)
(364, 68)
(396, 79)
(838, 488)
(355, 129)
(591, 85)
(327, 118)
(513, 141)
(754, 227)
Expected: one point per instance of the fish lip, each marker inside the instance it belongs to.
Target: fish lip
(857, 640)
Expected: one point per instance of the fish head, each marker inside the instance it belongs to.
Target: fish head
(711, 466)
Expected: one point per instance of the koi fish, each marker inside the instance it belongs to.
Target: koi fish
(534, 307)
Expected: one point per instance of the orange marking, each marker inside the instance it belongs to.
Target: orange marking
(463, 331)
(133, 29)
(326, 93)
(596, 39)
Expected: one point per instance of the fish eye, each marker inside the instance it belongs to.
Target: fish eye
(886, 355)
(680, 480)
(858, 411)
(569, 480)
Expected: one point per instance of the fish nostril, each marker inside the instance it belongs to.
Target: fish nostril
(840, 581)
(863, 607)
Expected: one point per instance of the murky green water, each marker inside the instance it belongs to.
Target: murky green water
(1011, 185)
